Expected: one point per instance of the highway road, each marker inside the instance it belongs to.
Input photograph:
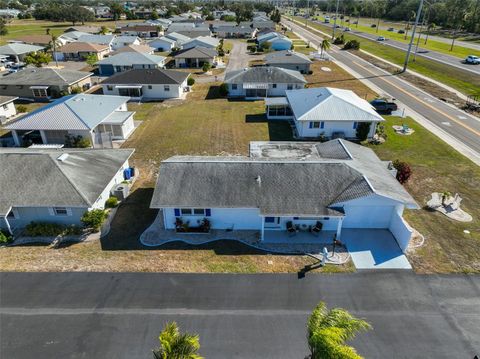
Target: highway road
(456, 127)
(119, 315)
(422, 52)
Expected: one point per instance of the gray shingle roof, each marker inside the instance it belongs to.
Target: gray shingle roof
(47, 182)
(148, 76)
(286, 57)
(298, 185)
(44, 76)
(96, 39)
(78, 112)
(264, 75)
(196, 52)
(132, 58)
(18, 49)
(7, 99)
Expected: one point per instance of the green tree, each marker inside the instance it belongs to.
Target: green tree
(328, 330)
(154, 15)
(104, 30)
(175, 345)
(116, 10)
(38, 59)
(276, 17)
(91, 59)
(3, 27)
(430, 27)
(324, 46)
(206, 67)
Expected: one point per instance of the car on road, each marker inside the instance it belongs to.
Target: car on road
(401, 31)
(382, 105)
(472, 59)
(380, 38)
(347, 29)
(391, 29)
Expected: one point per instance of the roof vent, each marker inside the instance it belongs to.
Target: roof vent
(63, 157)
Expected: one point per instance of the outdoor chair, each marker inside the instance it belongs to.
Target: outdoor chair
(291, 230)
(317, 228)
(435, 201)
(405, 128)
(456, 202)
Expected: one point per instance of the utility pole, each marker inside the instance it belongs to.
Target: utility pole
(419, 11)
(335, 22)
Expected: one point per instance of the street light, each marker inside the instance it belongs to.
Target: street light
(335, 22)
(417, 18)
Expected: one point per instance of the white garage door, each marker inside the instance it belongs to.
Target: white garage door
(367, 216)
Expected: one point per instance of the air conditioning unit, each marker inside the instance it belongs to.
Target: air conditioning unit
(121, 191)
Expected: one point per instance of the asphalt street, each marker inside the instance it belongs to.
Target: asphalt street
(422, 52)
(457, 127)
(119, 315)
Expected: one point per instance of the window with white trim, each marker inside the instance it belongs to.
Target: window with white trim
(39, 92)
(60, 211)
(192, 211)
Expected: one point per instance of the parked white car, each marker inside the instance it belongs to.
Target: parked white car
(380, 38)
(472, 59)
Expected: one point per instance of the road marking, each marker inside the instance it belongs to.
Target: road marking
(446, 123)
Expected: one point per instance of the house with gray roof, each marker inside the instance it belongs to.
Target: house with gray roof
(178, 38)
(43, 83)
(17, 51)
(260, 82)
(147, 84)
(163, 44)
(324, 112)
(122, 41)
(195, 57)
(125, 61)
(97, 39)
(98, 119)
(202, 41)
(7, 108)
(289, 60)
(58, 185)
(284, 187)
(234, 31)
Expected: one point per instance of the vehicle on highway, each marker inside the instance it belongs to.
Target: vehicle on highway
(327, 20)
(391, 29)
(401, 31)
(382, 105)
(347, 29)
(472, 59)
(380, 38)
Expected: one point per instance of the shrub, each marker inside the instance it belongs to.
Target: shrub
(352, 45)
(21, 108)
(190, 81)
(206, 66)
(77, 142)
(403, 171)
(223, 89)
(363, 128)
(94, 219)
(252, 48)
(111, 202)
(340, 40)
(44, 229)
(5, 237)
(266, 46)
(75, 90)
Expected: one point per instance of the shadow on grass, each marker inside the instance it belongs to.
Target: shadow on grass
(213, 93)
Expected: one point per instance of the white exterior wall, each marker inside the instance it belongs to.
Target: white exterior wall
(156, 92)
(161, 44)
(128, 127)
(329, 127)
(329, 223)
(25, 215)
(118, 44)
(400, 229)
(118, 178)
(7, 110)
(221, 218)
(279, 91)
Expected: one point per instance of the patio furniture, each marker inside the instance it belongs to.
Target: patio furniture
(405, 128)
(455, 204)
(317, 228)
(435, 201)
(291, 230)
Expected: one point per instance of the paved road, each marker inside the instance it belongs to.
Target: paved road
(239, 57)
(422, 52)
(454, 126)
(114, 315)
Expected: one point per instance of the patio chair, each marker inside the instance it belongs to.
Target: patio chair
(456, 202)
(405, 128)
(317, 228)
(291, 230)
(435, 201)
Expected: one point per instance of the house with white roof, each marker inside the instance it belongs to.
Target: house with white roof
(122, 41)
(17, 51)
(92, 117)
(125, 61)
(57, 185)
(289, 59)
(288, 192)
(179, 38)
(202, 41)
(163, 44)
(324, 111)
(261, 82)
(97, 39)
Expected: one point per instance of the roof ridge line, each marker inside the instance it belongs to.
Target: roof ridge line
(55, 70)
(81, 120)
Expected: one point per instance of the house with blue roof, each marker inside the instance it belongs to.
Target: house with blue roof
(98, 119)
(129, 60)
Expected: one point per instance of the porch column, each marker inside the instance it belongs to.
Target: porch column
(44, 137)
(8, 225)
(15, 138)
(196, 61)
(339, 228)
(263, 228)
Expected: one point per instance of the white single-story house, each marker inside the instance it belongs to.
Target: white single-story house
(99, 119)
(151, 84)
(195, 57)
(163, 44)
(261, 82)
(143, 49)
(329, 186)
(71, 36)
(17, 51)
(202, 41)
(178, 38)
(7, 108)
(97, 39)
(125, 61)
(289, 59)
(57, 185)
(122, 41)
(143, 31)
(324, 111)
(79, 51)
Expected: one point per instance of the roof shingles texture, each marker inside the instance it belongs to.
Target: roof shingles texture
(264, 75)
(148, 76)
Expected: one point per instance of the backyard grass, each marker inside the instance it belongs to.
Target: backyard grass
(464, 82)
(437, 167)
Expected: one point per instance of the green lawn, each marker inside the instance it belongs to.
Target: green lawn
(437, 167)
(461, 81)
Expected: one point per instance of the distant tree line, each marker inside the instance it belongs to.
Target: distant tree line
(59, 12)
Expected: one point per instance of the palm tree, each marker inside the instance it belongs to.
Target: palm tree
(324, 46)
(430, 27)
(174, 345)
(54, 44)
(327, 331)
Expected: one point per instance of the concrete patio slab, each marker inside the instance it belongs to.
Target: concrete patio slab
(374, 249)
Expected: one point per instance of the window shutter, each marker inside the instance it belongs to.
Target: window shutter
(177, 212)
(322, 124)
(208, 212)
(310, 125)
(354, 125)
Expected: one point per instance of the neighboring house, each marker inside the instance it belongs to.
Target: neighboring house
(7, 108)
(125, 61)
(261, 38)
(44, 83)
(227, 32)
(57, 185)
(164, 23)
(277, 41)
(261, 24)
(197, 32)
(122, 41)
(202, 41)
(85, 29)
(289, 60)
(98, 39)
(79, 51)
(324, 111)
(174, 27)
(93, 117)
(39, 40)
(218, 14)
(142, 31)
(143, 49)
(178, 38)
(195, 57)
(260, 82)
(339, 184)
(163, 44)
(71, 36)
(17, 51)
(154, 84)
